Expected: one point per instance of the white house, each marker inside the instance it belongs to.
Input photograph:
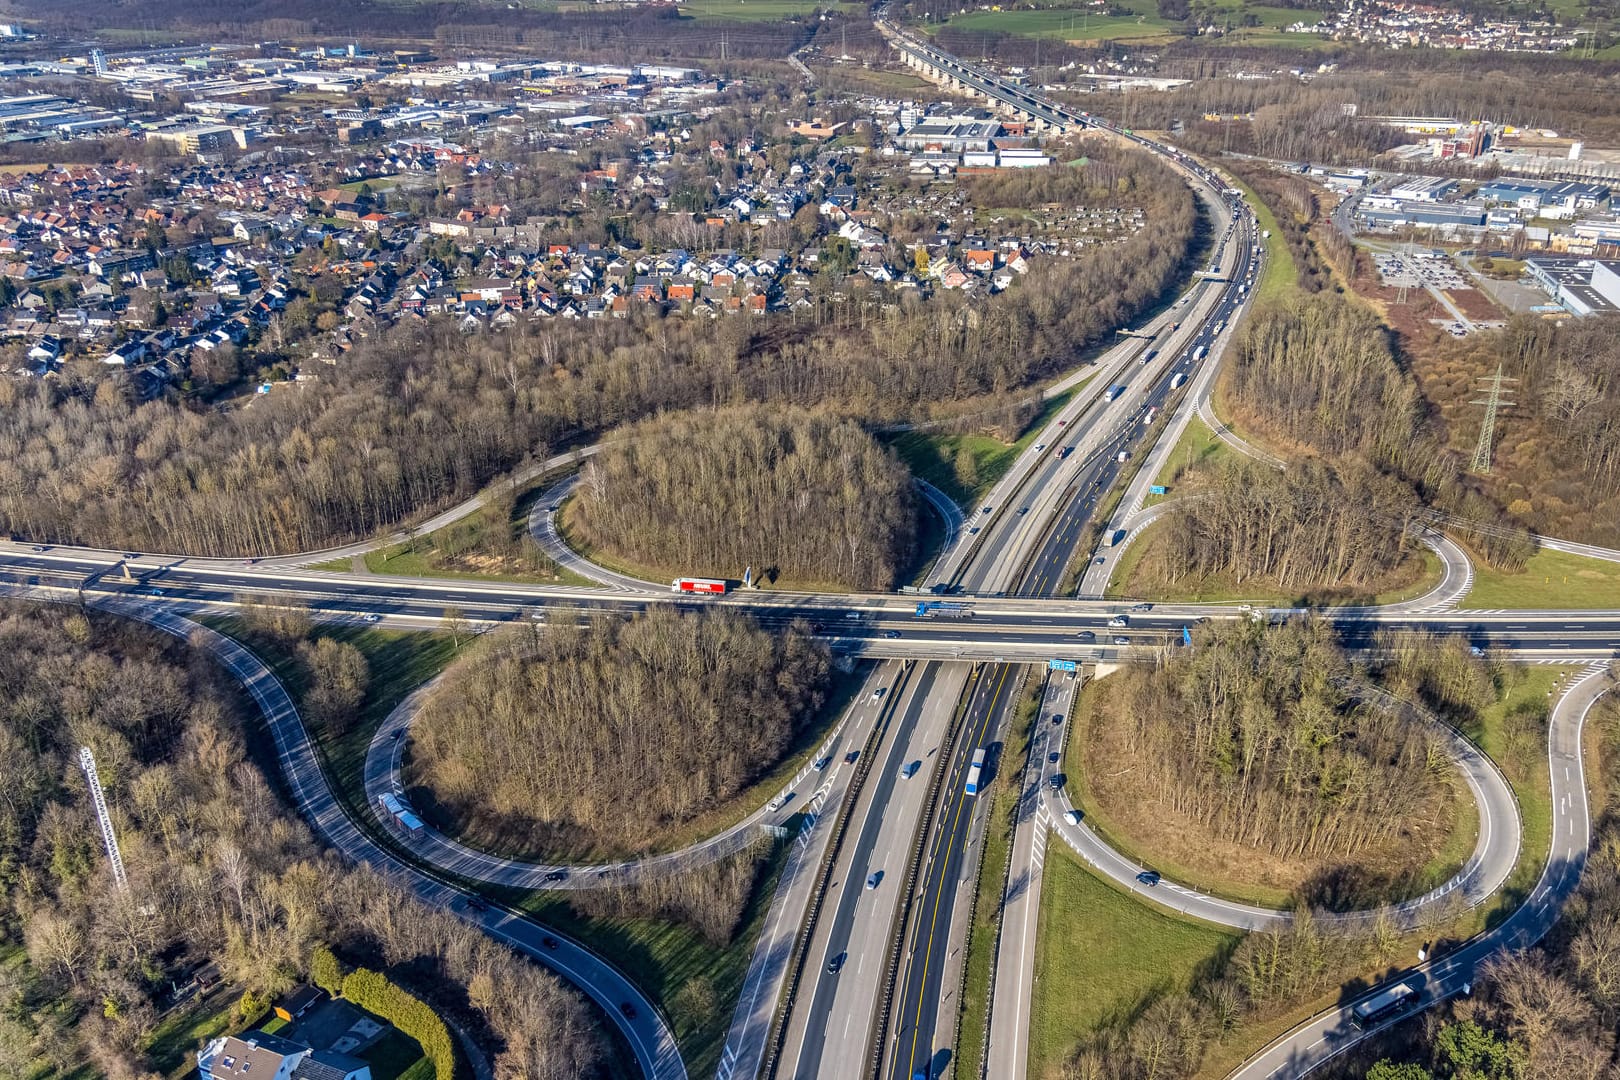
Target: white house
(259, 1056)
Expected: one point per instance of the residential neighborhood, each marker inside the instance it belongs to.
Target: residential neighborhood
(172, 265)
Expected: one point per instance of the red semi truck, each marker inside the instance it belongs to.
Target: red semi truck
(707, 586)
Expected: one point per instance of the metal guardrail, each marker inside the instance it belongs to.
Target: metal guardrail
(1030, 763)
(807, 927)
(880, 1030)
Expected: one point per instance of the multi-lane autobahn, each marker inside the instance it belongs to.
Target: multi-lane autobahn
(875, 993)
(1011, 628)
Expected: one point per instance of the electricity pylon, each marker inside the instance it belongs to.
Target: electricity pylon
(87, 762)
(1487, 432)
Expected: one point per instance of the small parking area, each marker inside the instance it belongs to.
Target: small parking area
(1402, 271)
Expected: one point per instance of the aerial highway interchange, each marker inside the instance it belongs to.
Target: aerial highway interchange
(857, 970)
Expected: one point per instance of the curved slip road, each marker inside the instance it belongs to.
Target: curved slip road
(1456, 569)
(1495, 853)
(1323, 1037)
(385, 754)
(542, 526)
(1041, 812)
(648, 1035)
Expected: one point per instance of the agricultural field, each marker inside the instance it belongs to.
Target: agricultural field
(1078, 24)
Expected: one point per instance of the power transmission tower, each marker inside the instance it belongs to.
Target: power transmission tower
(1487, 432)
(1401, 297)
(87, 762)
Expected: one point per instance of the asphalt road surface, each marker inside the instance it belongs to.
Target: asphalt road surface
(648, 1036)
(1323, 1037)
(1026, 629)
(830, 1035)
(924, 997)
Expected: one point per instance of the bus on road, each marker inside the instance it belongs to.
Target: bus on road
(1382, 1005)
(974, 771)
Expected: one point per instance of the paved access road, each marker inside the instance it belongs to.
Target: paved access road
(1322, 1038)
(1007, 1053)
(382, 776)
(770, 966)
(1025, 629)
(648, 1035)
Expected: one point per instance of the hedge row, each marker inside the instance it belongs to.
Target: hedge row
(371, 991)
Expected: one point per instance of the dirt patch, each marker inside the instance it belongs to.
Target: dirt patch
(1476, 305)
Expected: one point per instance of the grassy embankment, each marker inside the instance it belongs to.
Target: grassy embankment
(965, 467)
(695, 982)
(1102, 955)
(479, 547)
(1550, 579)
(1198, 449)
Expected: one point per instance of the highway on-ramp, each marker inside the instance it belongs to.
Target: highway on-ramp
(636, 1017)
(1318, 1040)
(824, 773)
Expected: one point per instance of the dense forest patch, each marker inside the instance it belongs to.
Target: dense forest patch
(1556, 458)
(217, 871)
(1314, 534)
(1318, 376)
(1248, 759)
(597, 738)
(1234, 999)
(805, 497)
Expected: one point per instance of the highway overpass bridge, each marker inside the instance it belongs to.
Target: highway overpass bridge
(1039, 112)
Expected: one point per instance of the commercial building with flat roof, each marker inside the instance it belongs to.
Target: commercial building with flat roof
(1447, 218)
(1423, 188)
(955, 133)
(1546, 198)
(1580, 286)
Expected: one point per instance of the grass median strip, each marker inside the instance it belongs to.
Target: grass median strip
(1281, 275)
(1198, 448)
(980, 966)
